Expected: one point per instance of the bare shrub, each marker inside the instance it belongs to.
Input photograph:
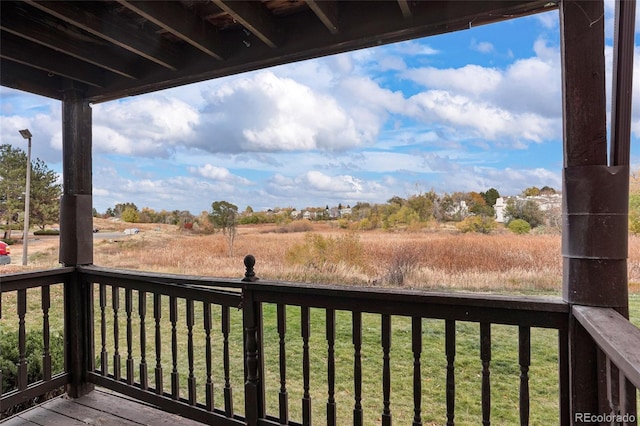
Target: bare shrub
(327, 253)
(402, 262)
(296, 226)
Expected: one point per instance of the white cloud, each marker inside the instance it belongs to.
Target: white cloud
(213, 172)
(45, 128)
(266, 113)
(220, 174)
(511, 106)
(178, 192)
(548, 20)
(481, 119)
(319, 186)
(471, 79)
(364, 91)
(482, 46)
(149, 125)
(395, 63)
(415, 48)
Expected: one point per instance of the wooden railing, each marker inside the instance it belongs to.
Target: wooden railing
(141, 329)
(618, 343)
(394, 305)
(259, 364)
(18, 291)
(233, 352)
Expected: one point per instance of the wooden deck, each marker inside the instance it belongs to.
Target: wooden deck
(100, 407)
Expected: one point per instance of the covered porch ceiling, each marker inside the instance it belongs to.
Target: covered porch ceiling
(107, 50)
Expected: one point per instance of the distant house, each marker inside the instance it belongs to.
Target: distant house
(545, 203)
(499, 207)
(458, 209)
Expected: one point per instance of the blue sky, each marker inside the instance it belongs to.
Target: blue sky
(464, 111)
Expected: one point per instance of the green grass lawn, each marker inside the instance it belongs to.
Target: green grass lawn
(468, 368)
(505, 371)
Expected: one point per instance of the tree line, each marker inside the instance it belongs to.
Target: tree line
(472, 211)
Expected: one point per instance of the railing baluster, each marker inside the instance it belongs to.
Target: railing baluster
(252, 324)
(283, 398)
(22, 340)
(485, 357)
(357, 367)
(331, 366)
(173, 318)
(306, 397)
(115, 303)
(206, 312)
(228, 391)
(386, 369)
(563, 377)
(104, 355)
(416, 347)
(46, 354)
(128, 303)
(157, 315)
(450, 353)
(524, 358)
(628, 399)
(191, 380)
(142, 312)
(613, 386)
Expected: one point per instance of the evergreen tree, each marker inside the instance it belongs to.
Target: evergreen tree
(45, 191)
(44, 207)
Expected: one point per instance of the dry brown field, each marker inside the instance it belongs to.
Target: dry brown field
(434, 258)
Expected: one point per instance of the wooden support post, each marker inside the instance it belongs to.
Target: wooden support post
(595, 196)
(78, 311)
(76, 238)
(254, 364)
(76, 218)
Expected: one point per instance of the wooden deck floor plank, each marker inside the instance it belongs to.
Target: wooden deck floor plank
(17, 421)
(45, 417)
(87, 415)
(131, 409)
(100, 407)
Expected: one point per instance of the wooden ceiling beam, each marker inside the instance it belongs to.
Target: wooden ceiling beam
(303, 35)
(53, 38)
(180, 22)
(327, 12)
(405, 7)
(32, 80)
(255, 18)
(116, 31)
(43, 58)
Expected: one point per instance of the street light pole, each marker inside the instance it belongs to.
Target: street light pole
(25, 240)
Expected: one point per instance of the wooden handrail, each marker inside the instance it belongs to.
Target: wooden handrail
(24, 280)
(534, 311)
(615, 335)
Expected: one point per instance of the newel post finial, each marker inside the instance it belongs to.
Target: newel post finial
(249, 263)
